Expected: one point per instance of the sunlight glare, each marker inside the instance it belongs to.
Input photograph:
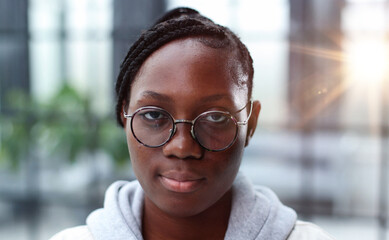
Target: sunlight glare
(367, 60)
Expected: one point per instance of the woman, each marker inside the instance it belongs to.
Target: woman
(184, 101)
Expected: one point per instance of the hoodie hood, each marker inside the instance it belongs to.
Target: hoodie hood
(256, 213)
(121, 216)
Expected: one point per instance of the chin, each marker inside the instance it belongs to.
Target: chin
(182, 212)
(183, 206)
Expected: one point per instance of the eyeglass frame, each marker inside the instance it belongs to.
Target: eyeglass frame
(191, 122)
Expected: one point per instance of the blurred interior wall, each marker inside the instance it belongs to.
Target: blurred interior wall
(314, 62)
(14, 52)
(314, 84)
(130, 18)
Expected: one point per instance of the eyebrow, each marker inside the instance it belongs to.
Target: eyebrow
(156, 96)
(165, 98)
(215, 97)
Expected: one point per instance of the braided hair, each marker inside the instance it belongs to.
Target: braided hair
(175, 24)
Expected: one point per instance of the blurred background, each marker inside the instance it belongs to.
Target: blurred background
(321, 73)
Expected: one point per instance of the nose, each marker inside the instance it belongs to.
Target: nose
(182, 145)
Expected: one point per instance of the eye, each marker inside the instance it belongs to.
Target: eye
(152, 118)
(216, 117)
(154, 115)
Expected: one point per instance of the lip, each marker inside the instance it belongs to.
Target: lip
(181, 182)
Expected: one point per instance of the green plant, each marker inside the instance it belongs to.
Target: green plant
(64, 126)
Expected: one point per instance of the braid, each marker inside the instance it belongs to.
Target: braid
(160, 35)
(178, 12)
(177, 23)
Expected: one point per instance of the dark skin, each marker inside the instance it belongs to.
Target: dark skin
(193, 227)
(188, 189)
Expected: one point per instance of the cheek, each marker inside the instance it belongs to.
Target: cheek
(134, 147)
(229, 162)
(143, 162)
(137, 153)
(235, 153)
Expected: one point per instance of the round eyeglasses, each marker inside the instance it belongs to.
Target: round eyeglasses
(213, 130)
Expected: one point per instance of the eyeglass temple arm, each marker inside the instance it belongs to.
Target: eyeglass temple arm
(125, 115)
(251, 109)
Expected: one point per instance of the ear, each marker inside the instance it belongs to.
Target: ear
(124, 120)
(252, 123)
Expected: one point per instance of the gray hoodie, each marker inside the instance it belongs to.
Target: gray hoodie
(256, 213)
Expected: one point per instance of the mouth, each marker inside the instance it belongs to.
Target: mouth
(181, 182)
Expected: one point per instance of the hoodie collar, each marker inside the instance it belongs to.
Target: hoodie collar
(256, 214)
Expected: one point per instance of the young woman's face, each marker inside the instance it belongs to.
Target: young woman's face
(186, 78)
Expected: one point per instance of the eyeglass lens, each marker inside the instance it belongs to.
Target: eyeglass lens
(212, 130)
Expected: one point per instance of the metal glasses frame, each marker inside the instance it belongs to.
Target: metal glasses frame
(192, 122)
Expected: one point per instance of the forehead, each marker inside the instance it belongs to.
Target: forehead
(187, 68)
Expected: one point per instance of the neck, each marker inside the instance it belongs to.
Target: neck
(212, 223)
